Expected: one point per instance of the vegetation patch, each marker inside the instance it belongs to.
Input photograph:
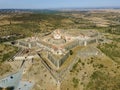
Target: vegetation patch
(112, 50)
(75, 82)
(7, 51)
(74, 68)
(103, 81)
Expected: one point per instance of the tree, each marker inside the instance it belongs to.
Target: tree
(71, 52)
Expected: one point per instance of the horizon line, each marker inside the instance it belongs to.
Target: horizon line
(104, 7)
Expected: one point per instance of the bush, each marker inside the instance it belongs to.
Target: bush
(75, 82)
(71, 52)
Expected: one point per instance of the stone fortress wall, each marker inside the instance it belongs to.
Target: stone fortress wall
(66, 45)
(58, 63)
(71, 45)
(26, 44)
(62, 60)
(53, 43)
(53, 60)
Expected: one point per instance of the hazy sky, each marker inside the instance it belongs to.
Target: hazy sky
(40, 4)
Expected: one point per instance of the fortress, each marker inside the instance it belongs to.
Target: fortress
(57, 45)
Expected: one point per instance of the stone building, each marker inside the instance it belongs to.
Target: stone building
(58, 62)
(59, 43)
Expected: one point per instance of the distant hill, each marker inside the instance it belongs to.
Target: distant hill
(54, 10)
(4, 11)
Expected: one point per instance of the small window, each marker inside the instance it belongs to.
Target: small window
(11, 77)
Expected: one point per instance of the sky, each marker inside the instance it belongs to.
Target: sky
(46, 4)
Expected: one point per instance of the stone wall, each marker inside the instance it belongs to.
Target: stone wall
(63, 59)
(23, 43)
(53, 60)
(72, 44)
(58, 62)
(81, 43)
(27, 44)
(91, 41)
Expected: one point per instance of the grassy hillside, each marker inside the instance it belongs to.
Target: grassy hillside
(6, 51)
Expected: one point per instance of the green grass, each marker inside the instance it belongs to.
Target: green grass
(103, 81)
(111, 50)
(7, 51)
